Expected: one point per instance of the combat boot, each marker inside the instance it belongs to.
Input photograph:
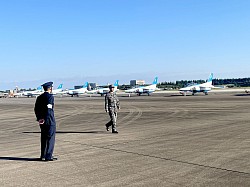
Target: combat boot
(114, 131)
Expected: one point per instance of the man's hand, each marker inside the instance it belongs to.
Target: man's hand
(41, 121)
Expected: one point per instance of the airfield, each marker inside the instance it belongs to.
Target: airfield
(164, 140)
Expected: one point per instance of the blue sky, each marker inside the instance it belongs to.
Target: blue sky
(73, 41)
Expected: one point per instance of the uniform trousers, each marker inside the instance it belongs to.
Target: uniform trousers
(48, 133)
(113, 118)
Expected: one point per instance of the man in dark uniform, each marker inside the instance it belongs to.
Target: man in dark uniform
(112, 105)
(44, 110)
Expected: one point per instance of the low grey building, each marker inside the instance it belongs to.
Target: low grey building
(137, 82)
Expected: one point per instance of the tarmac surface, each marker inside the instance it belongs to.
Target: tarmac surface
(163, 140)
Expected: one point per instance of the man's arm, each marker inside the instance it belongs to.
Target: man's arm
(117, 102)
(37, 109)
(106, 103)
(50, 104)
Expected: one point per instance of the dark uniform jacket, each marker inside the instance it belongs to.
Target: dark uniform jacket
(44, 108)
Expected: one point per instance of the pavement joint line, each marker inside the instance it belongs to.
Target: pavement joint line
(162, 158)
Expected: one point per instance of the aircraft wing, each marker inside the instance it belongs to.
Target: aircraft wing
(147, 90)
(133, 90)
(186, 89)
(92, 92)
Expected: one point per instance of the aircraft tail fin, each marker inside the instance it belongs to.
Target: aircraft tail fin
(39, 88)
(116, 83)
(155, 80)
(60, 86)
(210, 77)
(85, 85)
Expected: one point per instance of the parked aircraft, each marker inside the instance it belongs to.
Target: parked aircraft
(79, 91)
(144, 89)
(34, 93)
(18, 94)
(92, 91)
(3, 94)
(205, 87)
(59, 90)
(103, 91)
(15, 93)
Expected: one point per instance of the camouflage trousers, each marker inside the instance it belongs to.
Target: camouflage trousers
(113, 119)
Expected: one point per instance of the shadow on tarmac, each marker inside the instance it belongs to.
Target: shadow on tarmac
(242, 94)
(178, 95)
(71, 132)
(19, 159)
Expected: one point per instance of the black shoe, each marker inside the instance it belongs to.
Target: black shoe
(40, 159)
(50, 159)
(115, 132)
(107, 127)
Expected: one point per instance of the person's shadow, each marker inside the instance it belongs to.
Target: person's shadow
(19, 159)
(69, 132)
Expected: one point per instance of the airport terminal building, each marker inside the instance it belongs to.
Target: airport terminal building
(137, 82)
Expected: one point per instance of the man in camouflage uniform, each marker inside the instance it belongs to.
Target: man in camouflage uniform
(112, 105)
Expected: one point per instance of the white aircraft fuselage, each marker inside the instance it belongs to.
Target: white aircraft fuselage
(77, 92)
(144, 89)
(204, 87)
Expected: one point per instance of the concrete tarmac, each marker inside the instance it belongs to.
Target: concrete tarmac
(163, 140)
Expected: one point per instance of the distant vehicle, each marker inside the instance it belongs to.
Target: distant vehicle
(204, 88)
(34, 93)
(144, 89)
(103, 91)
(77, 92)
